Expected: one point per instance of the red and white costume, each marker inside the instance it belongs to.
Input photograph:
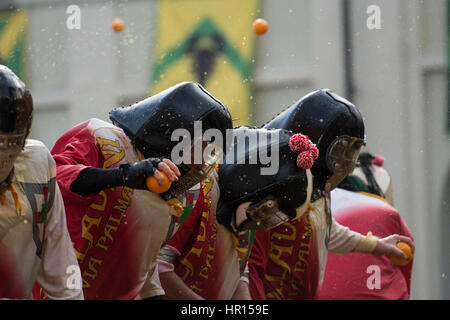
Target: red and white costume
(288, 262)
(34, 240)
(116, 233)
(202, 252)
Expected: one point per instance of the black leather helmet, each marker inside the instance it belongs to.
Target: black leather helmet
(151, 122)
(246, 176)
(16, 104)
(334, 124)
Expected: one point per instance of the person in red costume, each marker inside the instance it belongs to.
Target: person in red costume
(288, 262)
(364, 202)
(206, 258)
(116, 224)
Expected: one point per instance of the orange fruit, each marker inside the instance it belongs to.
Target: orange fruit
(154, 186)
(407, 250)
(260, 26)
(117, 25)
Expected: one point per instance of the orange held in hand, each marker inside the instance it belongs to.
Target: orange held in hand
(117, 25)
(260, 26)
(154, 186)
(406, 250)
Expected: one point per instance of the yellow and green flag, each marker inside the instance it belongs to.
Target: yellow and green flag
(210, 42)
(13, 33)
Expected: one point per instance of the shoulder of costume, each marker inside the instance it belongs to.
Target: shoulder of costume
(35, 163)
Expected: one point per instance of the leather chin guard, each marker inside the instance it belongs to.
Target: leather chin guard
(263, 215)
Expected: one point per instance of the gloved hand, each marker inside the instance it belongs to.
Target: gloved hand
(134, 175)
(92, 180)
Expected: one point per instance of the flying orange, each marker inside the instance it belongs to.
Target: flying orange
(117, 25)
(260, 26)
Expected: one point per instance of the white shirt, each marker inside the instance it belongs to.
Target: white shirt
(33, 250)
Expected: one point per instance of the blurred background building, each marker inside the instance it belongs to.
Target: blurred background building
(388, 57)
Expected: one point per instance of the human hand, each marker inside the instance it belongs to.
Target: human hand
(169, 168)
(388, 246)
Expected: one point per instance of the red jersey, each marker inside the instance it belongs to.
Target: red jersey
(117, 232)
(347, 277)
(288, 262)
(284, 262)
(202, 252)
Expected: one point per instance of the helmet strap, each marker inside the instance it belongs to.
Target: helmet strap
(7, 181)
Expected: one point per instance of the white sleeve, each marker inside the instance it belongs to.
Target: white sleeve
(166, 258)
(59, 274)
(245, 274)
(165, 263)
(152, 286)
(343, 240)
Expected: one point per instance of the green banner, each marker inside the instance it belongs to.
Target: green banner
(210, 42)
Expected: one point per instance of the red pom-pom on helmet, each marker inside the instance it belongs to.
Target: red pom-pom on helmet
(299, 142)
(378, 161)
(305, 160)
(314, 151)
(308, 150)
